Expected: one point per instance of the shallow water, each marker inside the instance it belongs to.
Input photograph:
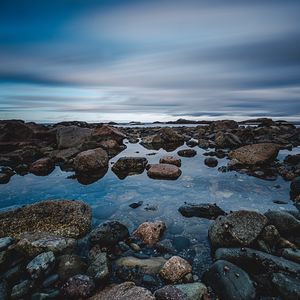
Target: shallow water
(110, 197)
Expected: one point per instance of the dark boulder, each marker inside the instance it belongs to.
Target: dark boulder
(211, 162)
(42, 167)
(295, 188)
(126, 166)
(187, 152)
(287, 286)
(202, 210)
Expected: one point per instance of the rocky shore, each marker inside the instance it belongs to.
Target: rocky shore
(51, 250)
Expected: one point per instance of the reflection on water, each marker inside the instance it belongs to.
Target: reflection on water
(110, 197)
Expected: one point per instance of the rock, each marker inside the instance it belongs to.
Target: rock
(106, 132)
(250, 259)
(60, 217)
(187, 152)
(204, 144)
(123, 291)
(227, 140)
(192, 143)
(72, 136)
(136, 204)
(170, 136)
(223, 125)
(295, 188)
(50, 280)
(5, 178)
(165, 246)
(41, 265)
(64, 155)
(112, 147)
(15, 130)
(202, 210)
(149, 266)
(149, 232)
(171, 160)
(109, 234)
(70, 265)
(33, 244)
(256, 154)
(3, 290)
(98, 268)
(287, 286)
(194, 291)
(5, 242)
(211, 162)
(78, 286)
(42, 167)
(229, 281)
(240, 228)
(53, 294)
(175, 269)
(284, 222)
(91, 161)
(22, 289)
(170, 292)
(164, 171)
(291, 254)
(126, 166)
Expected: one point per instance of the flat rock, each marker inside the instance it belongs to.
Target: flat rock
(150, 232)
(164, 171)
(123, 291)
(240, 228)
(229, 281)
(256, 154)
(175, 269)
(60, 217)
(171, 160)
(202, 210)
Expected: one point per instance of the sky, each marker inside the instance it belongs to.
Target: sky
(149, 60)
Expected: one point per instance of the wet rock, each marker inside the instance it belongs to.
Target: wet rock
(204, 144)
(33, 244)
(72, 136)
(240, 228)
(5, 242)
(165, 246)
(192, 143)
(3, 290)
(53, 294)
(41, 265)
(202, 210)
(287, 286)
(64, 155)
(126, 166)
(150, 232)
(136, 204)
(50, 281)
(223, 125)
(147, 265)
(295, 188)
(211, 162)
(106, 132)
(194, 291)
(227, 140)
(90, 161)
(42, 167)
(98, 268)
(187, 152)
(170, 292)
(123, 291)
(164, 171)
(175, 269)
(109, 234)
(171, 160)
(112, 147)
(229, 281)
(256, 154)
(284, 222)
(292, 254)
(70, 265)
(22, 289)
(257, 261)
(5, 177)
(60, 217)
(78, 286)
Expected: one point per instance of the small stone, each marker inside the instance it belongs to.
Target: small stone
(49, 281)
(211, 162)
(170, 292)
(98, 268)
(194, 291)
(5, 242)
(78, 286)
(136, 204)
(187, 152)
(22, 289)
(164, 171)
(150, 232)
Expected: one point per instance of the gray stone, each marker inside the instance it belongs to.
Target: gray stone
(194, 291)
(99, 268)
(22, 289)
(70, 265)
(287, 286)
(72, 136)
(5, 242)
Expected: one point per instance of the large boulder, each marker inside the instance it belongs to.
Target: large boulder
(256, 154)
(72, 136)
(15, 130)
(227, 140)
(240, 228)
(123, 291)
(171, 160)
(42, 167)
(126, 166)
(223, 125)
(164, 171)
(91, 161)
(150, 232)
(106, 132)
(229, 281)
(60, 217)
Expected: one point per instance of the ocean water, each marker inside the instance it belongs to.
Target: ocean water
(110, 197)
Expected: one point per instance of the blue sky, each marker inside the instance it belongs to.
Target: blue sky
(149, 60)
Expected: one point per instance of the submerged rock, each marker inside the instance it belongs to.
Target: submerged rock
(175, 269)
(42, 167)
(256, 154)
(126, 166)
(78, 286)
(164, 171)
(171, 160)
(150, 232)
(123, 291)
(229, 281)
(202, 210)
(187, 152)
(240, 228)
(109, 233)
(59, 217)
